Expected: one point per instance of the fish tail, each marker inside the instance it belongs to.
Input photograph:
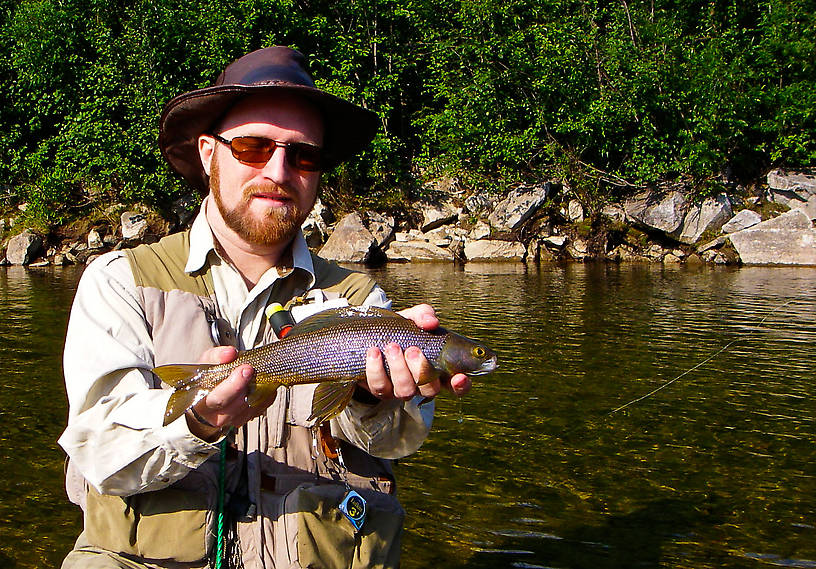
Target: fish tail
(184, 379)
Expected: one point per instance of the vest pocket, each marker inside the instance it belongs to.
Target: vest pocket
(165, 524)
(324, 539)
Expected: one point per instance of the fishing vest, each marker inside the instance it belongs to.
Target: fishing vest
(284, 481)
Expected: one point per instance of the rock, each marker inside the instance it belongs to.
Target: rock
(437, 215)
(708, 216)
(655, 252)
(664, 212)
(714, 257)
(554, 241)
(743, 220)
(315, 231)
(381, 227)
(493, 250)
(577, 249)
(518, 207)
(403, 251)
(785, 240)
(350, 242)
(477, 203)
(457, 248)
(134, 225)
(480, 231)
(614, 212)
(22, 249)
(95, 240)
(793, 189)
(575, 211)
(626, 254)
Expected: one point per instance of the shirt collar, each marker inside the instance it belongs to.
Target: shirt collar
(202, 242)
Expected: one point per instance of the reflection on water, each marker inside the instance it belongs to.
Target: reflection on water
(36, 523)
(717, 469)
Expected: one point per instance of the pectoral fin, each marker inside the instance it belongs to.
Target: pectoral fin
(330, 398)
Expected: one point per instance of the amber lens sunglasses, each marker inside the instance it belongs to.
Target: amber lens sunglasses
(257, 150)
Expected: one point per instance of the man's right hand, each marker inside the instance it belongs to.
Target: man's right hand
(225, 406)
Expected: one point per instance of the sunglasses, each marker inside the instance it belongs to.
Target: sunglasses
(257, 150)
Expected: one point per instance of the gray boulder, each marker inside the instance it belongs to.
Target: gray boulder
(708, 216)
(381, 227)
(437, 215)
(743, 220)
(663, 212)
(518, 206)
(350, 242)
(134, 225)
(493, 250)
(789, 239)
(793, 189)
(22, 249)
(417, 251)
(477, 203)
(574, 211)
(316, 227)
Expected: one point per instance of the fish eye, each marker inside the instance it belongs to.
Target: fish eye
(479, 352)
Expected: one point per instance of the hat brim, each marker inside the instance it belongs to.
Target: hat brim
(349, 128)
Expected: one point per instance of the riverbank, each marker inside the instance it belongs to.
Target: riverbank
(771, 224)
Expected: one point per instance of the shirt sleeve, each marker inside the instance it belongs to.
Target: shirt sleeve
(389, 429)
(115, 436)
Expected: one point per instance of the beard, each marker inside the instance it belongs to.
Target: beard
(278, 225)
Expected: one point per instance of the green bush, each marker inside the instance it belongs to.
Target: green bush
(603, 95)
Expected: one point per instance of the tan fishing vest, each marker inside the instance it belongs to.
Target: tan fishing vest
(280, 483)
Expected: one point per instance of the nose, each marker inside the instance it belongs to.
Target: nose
(277, 168)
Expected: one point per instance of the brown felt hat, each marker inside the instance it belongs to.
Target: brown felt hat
(349, 128)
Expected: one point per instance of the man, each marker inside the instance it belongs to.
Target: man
(227, 484)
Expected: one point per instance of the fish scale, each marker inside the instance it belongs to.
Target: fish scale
(328, 348)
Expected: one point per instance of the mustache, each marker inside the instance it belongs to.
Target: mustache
(268, 188)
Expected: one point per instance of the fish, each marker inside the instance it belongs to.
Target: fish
(327, 348)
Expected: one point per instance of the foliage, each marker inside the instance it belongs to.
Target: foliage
(600, 94)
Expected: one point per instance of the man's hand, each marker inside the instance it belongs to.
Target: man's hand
(224, 406)
(411, 373)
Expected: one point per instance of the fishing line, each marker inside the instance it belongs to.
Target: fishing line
(702, 363)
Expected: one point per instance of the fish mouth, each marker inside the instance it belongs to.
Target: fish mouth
(487, 366)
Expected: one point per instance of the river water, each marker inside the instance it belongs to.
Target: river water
(556, 460)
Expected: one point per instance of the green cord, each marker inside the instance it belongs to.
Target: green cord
(219, 538)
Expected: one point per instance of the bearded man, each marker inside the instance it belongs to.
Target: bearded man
(227, 484)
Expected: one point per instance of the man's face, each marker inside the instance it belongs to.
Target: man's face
(263, 204)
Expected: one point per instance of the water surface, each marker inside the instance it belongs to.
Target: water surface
(716, 469)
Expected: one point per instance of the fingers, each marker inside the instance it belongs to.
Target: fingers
(423, 316)
(219, 355)
(459, 384)
(225, 406)
(408, 374)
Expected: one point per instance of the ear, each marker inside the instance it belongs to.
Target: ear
(206, 149)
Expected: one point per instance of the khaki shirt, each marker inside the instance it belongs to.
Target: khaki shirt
(115, 437)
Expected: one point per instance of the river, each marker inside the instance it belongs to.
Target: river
(556, 460)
